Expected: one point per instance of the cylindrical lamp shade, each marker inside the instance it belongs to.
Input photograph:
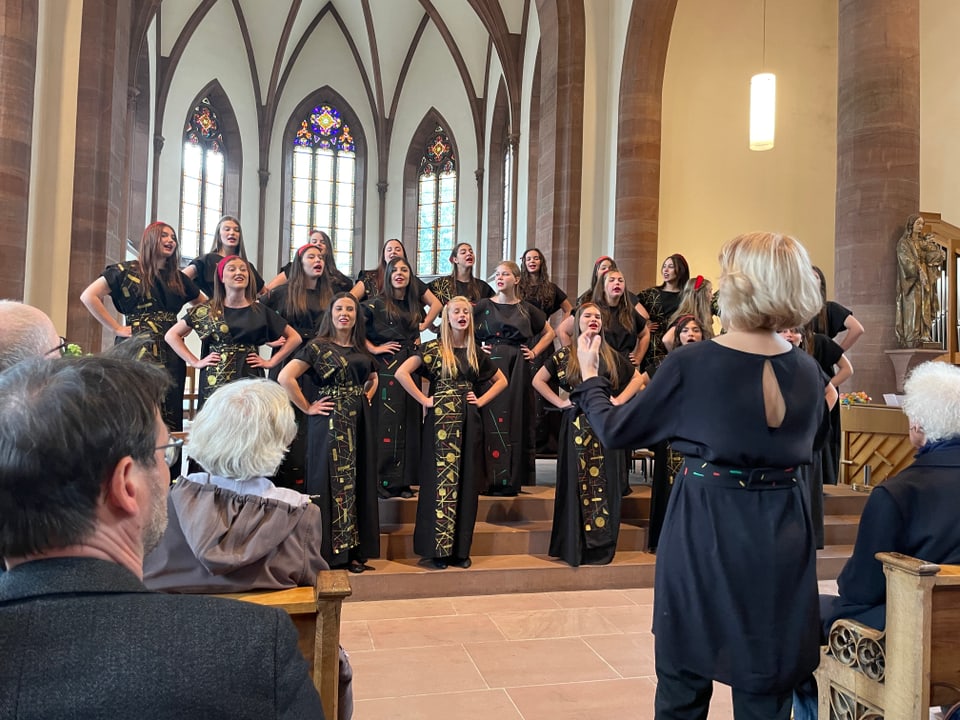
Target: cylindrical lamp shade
(763, 110)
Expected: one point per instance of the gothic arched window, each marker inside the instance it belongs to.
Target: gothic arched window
(201, 189)
(324, 181)
(436, 204)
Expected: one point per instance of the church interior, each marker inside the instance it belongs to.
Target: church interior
(581, 127)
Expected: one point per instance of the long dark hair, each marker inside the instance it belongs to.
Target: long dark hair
(535, 288)
(382, 265)
(153, 266)
(295, 304)
(820, 319)
(622, 312)
(473, 287)
(329, 261)
(218, 241)
(587, 295)
(409, 305)
(683, 270)
(327, 333)
(608, 362)
(220, 290)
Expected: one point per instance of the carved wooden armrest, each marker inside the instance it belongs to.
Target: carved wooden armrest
(858, 646)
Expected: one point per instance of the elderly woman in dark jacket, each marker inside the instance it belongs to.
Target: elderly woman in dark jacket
(914, 512)
(231, 529)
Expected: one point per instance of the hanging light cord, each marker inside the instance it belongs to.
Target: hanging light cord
(764, 15)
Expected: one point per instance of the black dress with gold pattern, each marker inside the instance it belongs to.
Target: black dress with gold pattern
(452, 468)
(446, 288)
(340, 463)
(586, 513)
(398, 416)
(234, 334)
(509, 434)
(151, 317)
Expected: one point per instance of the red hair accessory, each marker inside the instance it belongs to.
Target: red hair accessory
(684, 319)
(698, 283)
(223, 263)
(602, 258)
(303, 248)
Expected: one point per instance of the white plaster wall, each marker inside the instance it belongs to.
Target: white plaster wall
(197, 67)
(939, 109)
(433, 81)
(326, 59)
(712, 187)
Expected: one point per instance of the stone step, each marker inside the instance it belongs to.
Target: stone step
(535, 502)
(500, 574)
(527, 537)
(512, 537)
(840, 529)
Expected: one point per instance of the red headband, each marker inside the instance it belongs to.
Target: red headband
(698, 283)
(684, 319)
(223, 263)
(303, 248)
(602, 258)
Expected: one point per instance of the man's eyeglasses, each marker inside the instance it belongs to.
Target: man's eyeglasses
(59, 349)
(171, 451)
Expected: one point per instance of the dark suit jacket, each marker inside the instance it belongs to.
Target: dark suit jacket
(916, 513)
(83, 638)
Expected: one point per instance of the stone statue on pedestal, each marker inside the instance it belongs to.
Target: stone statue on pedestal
(919, 262)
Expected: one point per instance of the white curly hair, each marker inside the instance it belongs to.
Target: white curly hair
(932, 400)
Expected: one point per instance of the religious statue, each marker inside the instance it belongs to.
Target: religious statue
(919, 262)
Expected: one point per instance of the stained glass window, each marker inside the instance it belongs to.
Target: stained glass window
(436, 204)
(201, 192)
(323, 193)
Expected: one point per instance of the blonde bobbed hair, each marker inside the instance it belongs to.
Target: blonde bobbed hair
(767, 283)
(243, 430)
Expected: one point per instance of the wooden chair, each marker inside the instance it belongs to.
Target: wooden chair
(898, 674)
(645, 458)
(316, 614)
(191, 394)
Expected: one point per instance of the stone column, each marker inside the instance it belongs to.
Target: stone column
(101, 147)
(878, 170)
(18, 64)
(560, 141)
(638, 141)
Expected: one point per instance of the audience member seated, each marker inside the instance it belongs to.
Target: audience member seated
(25, 332)
(83, 486)
(914, 513)
(231, 529)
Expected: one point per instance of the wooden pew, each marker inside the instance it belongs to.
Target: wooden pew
(898, 674)
(316, 614)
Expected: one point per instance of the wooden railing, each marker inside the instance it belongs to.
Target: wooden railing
(900, 673)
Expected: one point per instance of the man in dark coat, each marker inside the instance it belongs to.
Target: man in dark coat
(83, 496)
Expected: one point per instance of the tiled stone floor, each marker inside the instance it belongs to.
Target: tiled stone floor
(538, 656)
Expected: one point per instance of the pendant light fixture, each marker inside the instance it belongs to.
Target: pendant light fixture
(763, 100)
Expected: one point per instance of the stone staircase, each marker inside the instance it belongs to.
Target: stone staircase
(512, 536)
